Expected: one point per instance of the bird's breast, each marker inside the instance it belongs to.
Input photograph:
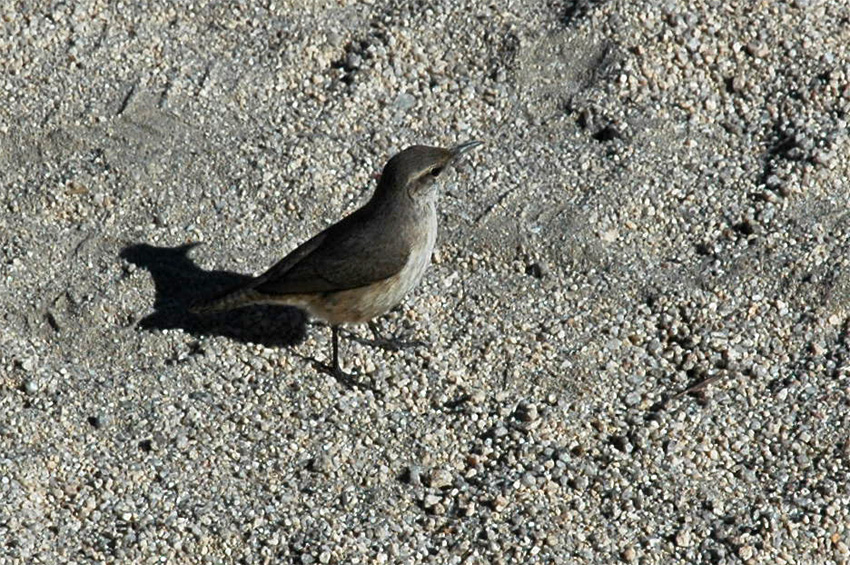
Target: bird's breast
(421, 249)
(394, 289)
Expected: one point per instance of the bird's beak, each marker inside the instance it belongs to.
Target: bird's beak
(459, 150)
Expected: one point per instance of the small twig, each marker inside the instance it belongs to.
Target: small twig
(126, 100)
(489, 210)
(697, 386)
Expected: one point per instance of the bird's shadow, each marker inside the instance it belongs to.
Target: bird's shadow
(179, 283)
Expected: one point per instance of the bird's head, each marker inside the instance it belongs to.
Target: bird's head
(413, 172)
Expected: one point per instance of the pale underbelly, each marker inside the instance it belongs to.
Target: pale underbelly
(361, 304)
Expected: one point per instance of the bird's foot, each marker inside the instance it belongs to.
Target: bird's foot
(390, 343)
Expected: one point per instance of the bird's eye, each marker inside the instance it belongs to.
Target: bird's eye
(436, 172)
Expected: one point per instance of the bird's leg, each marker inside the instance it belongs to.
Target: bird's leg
(335, 341)
(392, 343)
(334, 368)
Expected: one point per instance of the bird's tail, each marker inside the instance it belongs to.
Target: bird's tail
(228, 301)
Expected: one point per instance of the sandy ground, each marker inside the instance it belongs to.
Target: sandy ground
(637, 326)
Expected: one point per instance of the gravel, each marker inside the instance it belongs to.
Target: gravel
(637, 317)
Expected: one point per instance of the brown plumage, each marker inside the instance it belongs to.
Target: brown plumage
(362, 266)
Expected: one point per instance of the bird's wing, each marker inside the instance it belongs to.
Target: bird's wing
(347, 255)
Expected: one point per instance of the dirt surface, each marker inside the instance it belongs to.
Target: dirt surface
(637, 318)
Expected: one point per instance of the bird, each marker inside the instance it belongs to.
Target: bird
(362, 266)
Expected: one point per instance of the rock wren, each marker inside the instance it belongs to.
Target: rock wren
(362, 266)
